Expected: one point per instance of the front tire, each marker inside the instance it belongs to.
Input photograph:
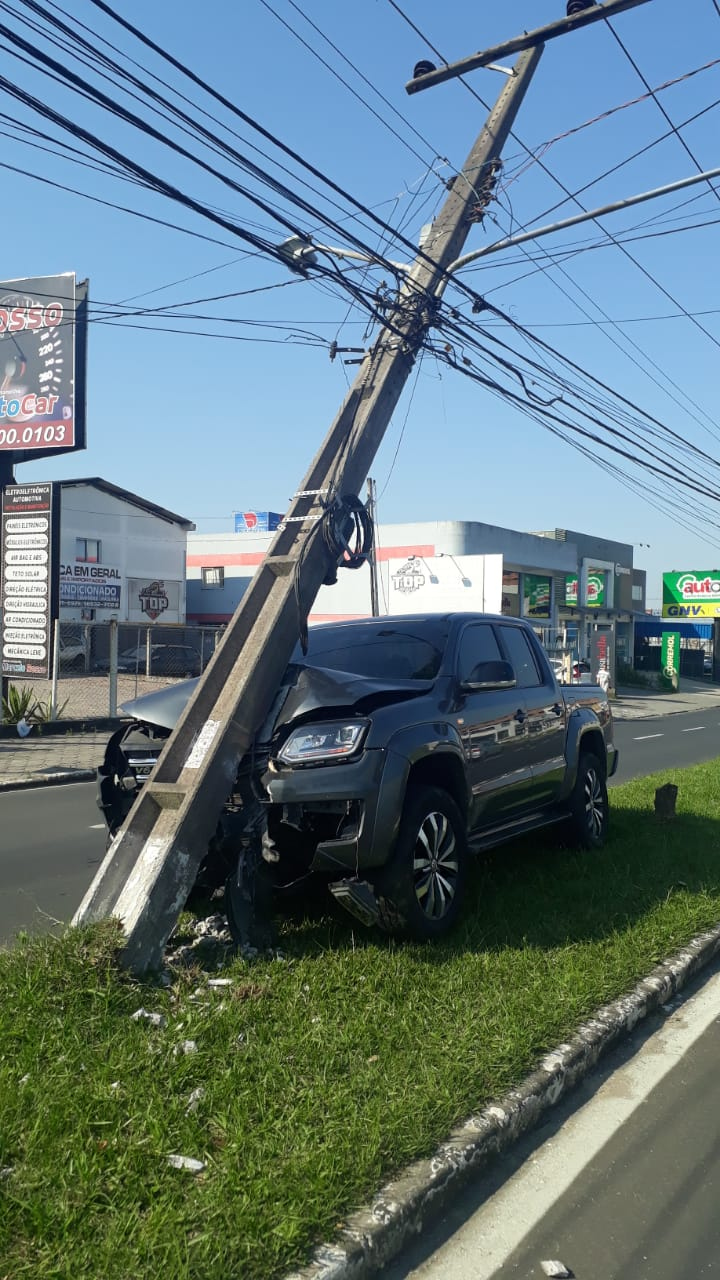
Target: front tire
(421, 889)
(589, 804)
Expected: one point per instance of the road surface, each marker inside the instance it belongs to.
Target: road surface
(621, 1184)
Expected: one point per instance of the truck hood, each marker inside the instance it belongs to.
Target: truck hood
(308, 690)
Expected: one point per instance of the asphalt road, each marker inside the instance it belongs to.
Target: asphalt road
(621, 1183)
(667, 742)
(52, 840)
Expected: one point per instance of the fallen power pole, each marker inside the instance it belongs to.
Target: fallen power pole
(151, 865)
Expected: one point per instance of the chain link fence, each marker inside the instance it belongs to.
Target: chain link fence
(99, 666)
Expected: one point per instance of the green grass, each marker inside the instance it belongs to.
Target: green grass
(324, 1071)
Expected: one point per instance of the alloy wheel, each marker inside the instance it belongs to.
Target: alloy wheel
(435, 866)
(594, 803)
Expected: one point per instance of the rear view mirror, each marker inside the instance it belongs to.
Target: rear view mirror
(490, 675)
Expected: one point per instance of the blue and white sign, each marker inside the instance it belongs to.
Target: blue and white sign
(256, 521)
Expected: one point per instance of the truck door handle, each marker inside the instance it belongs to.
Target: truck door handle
(519, 715)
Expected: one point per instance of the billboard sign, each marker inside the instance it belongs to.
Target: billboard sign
(90, 586)
(536, 593)
(256, 521)
(691, 594)
(29, 573)
(595, 589)
(154, 597)
(43, 340)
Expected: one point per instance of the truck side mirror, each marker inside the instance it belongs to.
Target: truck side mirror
(490, 675)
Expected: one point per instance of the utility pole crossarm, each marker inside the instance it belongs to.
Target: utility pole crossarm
(529, 40)
(152, 864)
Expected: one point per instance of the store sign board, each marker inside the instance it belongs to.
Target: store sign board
(43, 340)
(29, 576)
(691, 594)
(154, 597)
(90, 586)
(595, 590)
(670, 659)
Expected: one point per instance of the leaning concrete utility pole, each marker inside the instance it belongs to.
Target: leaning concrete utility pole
(151, 865)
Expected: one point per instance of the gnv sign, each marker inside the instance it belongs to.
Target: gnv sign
(691, 594)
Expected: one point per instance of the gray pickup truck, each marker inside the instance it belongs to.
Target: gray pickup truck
(395, 749)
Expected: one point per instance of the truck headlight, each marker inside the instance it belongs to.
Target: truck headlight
(318, 742)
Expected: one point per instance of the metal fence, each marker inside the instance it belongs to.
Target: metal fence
(99, 666)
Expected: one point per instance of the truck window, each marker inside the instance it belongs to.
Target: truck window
(477, 644)
(521, 657)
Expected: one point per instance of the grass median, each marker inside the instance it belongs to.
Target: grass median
(319, 1072)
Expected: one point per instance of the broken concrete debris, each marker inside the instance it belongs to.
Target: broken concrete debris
(144, 1015)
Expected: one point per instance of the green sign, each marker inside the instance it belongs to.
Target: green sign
(670, 661)
(536, 596)
(595, 589)
(595, 592)
(691, 594)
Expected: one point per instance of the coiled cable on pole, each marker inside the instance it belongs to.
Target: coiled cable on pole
(348, 534)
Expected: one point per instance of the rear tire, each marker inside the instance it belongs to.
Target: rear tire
(421, 889)
(588, 823)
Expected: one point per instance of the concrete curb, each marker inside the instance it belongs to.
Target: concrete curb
(49, 780)
(65, 728)
(376, 1234)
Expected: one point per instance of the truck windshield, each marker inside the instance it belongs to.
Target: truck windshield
(386, 650)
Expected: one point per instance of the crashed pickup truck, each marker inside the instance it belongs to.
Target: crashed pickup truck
(396, 748)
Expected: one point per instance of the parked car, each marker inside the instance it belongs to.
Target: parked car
(396, 748)
(580, 672)
(162, 660)
(707, 664)
(71, 650)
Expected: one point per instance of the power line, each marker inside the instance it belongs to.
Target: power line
(306, 45)
(569, 195)
(659, 105)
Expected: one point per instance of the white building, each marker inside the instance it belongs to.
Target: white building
(121, 556)
(451, 565)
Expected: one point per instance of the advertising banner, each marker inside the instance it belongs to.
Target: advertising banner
(691, 594)
(90, 586)
(595, 590)
(43, 338)
(256, 521)
(154, 598)
(29, 574)
(536, 596)
(670, 659)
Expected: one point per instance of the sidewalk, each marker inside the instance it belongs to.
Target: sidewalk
(46, 759)
(49, 759)
(646, 704)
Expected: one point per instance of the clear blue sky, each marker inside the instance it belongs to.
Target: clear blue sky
(207, 425)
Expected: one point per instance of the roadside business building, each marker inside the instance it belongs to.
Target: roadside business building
(122, 557)
(579, 592)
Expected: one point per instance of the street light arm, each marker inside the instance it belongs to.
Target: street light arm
(299, 252)
(575, 220)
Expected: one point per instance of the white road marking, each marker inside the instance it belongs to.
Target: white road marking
(483, 1244)
(697, 729)
(647, 736)
(97, 826)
